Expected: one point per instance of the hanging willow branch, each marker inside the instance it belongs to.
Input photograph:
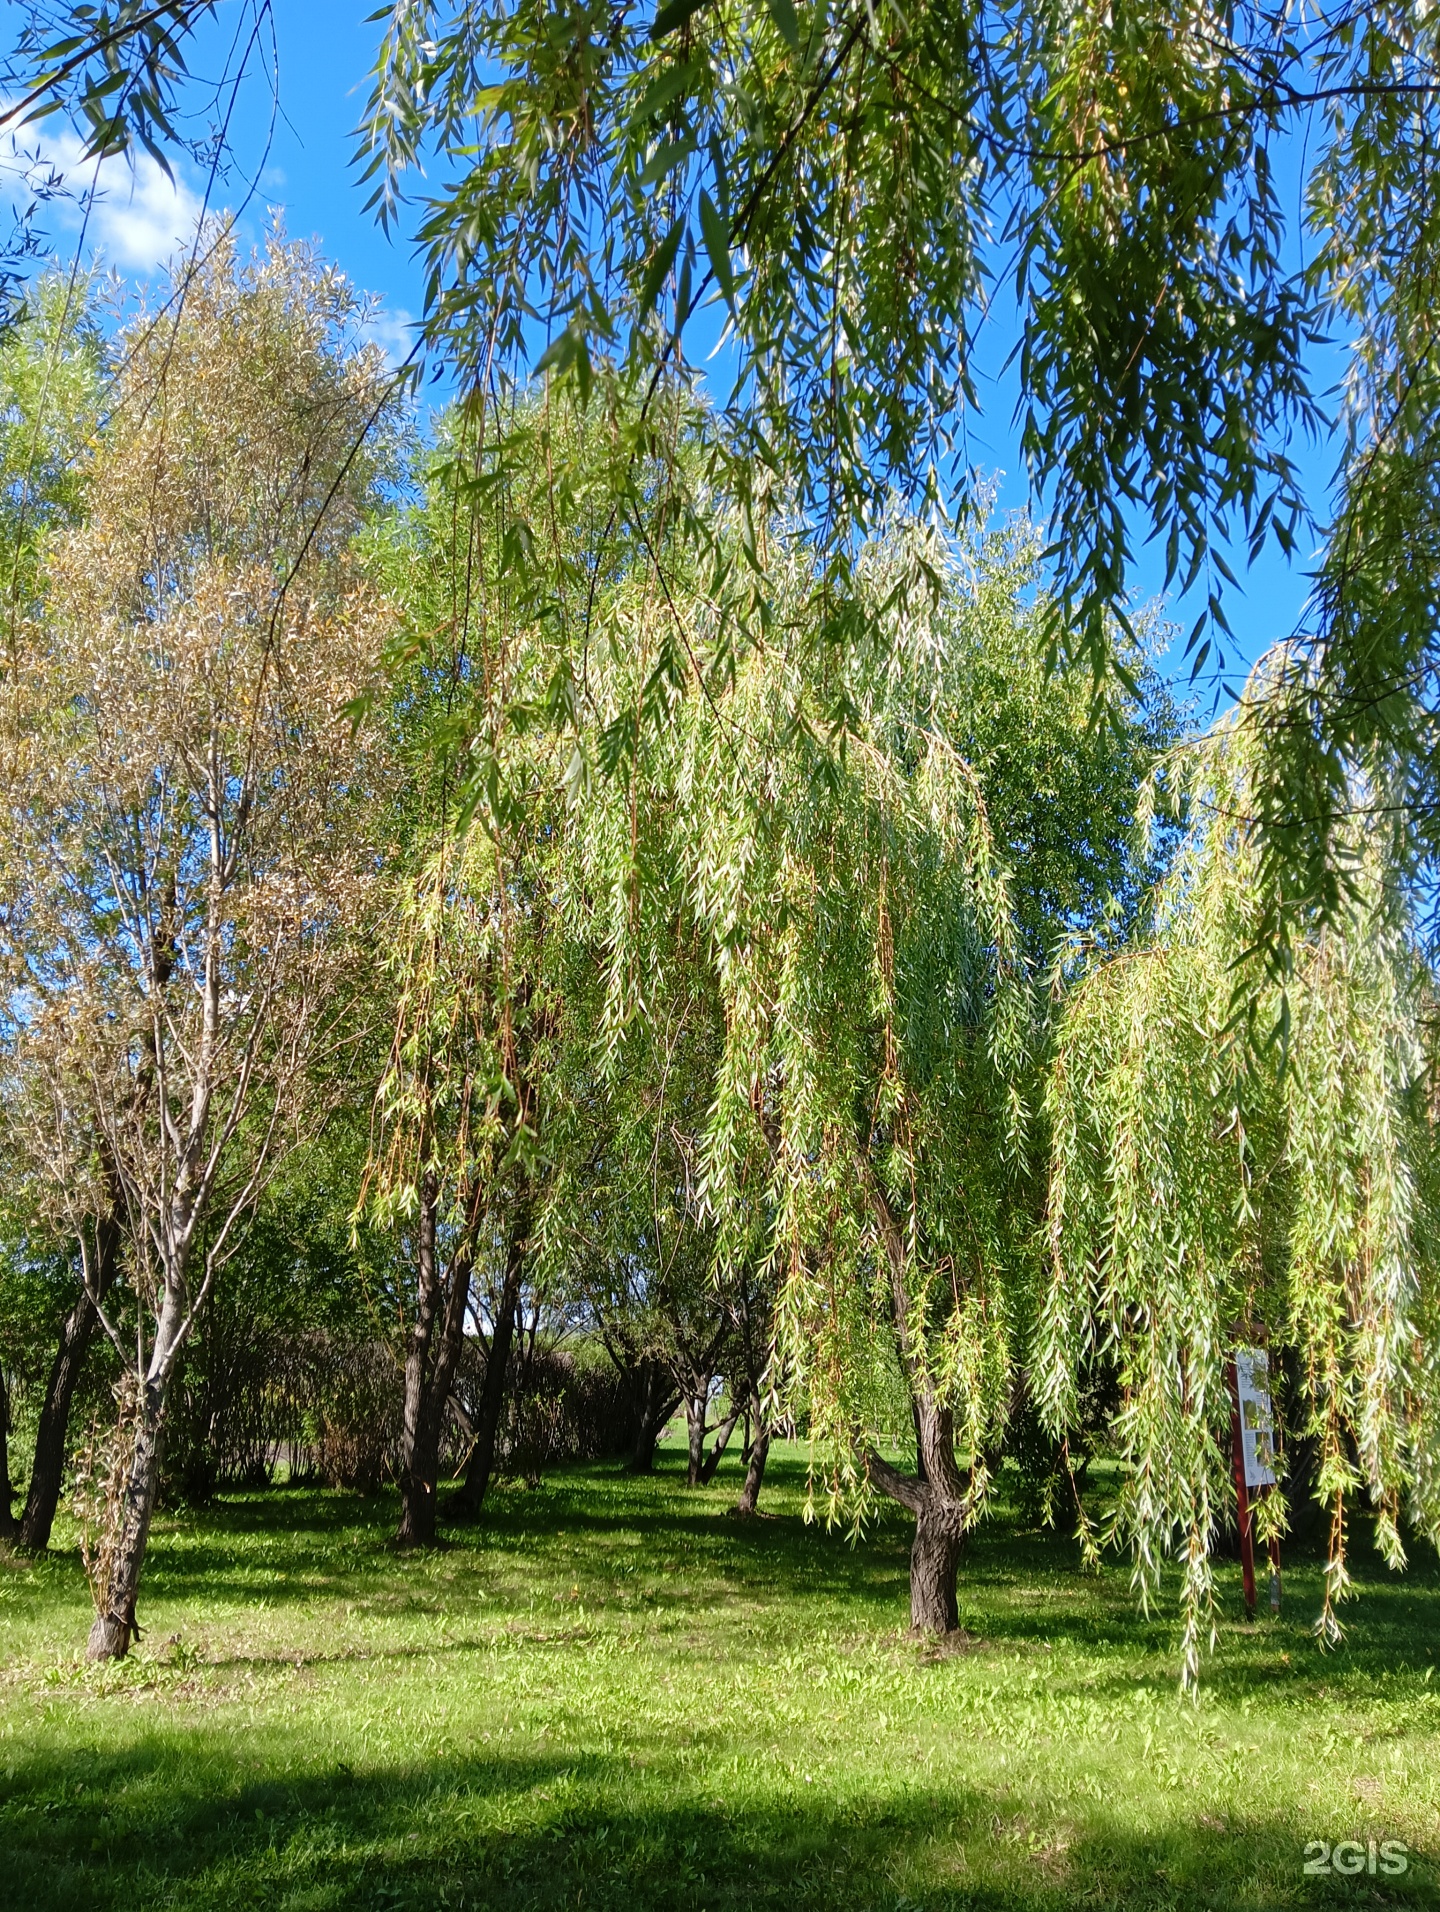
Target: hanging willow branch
(1201, 1197)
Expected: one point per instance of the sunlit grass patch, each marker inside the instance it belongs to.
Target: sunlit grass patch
(615, 1696)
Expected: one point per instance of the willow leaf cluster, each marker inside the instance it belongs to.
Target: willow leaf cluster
(1202, 1198)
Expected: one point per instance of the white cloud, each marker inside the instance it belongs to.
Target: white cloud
(393, 332)
(137, 217)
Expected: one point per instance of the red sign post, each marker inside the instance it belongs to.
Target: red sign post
(1252, 1430)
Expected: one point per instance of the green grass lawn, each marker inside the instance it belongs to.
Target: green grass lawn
(614, 1695)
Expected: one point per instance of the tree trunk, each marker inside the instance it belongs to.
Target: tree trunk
(417, 1491)
(939, 1506)
(696, 1404)
(430, 1368)
(936, 1493)
(8, 1523)
(658, 1402)
(115, 1626)
(755, 1469)
(48, 1474)
(934, 1568)
(722, 1441)
(471, 1497)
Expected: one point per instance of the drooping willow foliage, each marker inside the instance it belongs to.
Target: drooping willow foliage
(787, 941)
(875, 967)
(1204, 1195)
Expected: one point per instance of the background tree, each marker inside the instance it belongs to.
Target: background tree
(481, 571)
(456, 1121)
(52, 370)
(183, 807)
(627, 1224)
(52, 377)
(37, 1289)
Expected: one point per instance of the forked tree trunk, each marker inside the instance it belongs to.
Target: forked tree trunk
(658, 1401)
(722, 1440)
(940, 1527)
(936, 1493)
(434, 1353)
(468, 1503)
(115, 1626)
(755, 1461)
(48, 1474)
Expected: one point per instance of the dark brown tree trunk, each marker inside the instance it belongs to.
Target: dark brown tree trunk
(722, 1441)
(936, 1493)
(749, 1499)
(642, 1454)
(468, 1503)
(939, 1503)
(48, 1474)
(435, 1344)
(9, 1526)
(658, 1401)
(115, 1626)
(697, 1401)
(934, 1569)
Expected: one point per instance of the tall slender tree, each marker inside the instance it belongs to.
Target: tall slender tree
(182, 800)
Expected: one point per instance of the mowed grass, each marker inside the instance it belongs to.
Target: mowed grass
(613, 1695)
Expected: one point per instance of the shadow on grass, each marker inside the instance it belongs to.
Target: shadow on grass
(618, 1539)
(140, 1829)
(200, 1814)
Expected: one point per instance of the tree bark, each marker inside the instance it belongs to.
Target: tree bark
(417, 1496)
(755, 1465)
(936, 1493)
(934, 1569)
(468, 1503)
(48, 1474)
(697, 1401)
(435, 1343)
(115, 1626)
(939, 1542)
(722, 1441)
(128, 1534)
(658, 1402)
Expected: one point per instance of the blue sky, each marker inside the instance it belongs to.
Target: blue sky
(324, 52)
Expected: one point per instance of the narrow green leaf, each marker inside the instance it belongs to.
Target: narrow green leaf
(560, 354)
(665, 158)
(717, 244)
(659, 267)
(659, 93)
(674, 15)
(782, 12)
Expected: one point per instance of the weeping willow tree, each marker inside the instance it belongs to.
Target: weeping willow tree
(875, 966)
(1202, 1198)
(773, 914)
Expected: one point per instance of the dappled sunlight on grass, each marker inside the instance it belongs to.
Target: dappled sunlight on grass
(613, 1694)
